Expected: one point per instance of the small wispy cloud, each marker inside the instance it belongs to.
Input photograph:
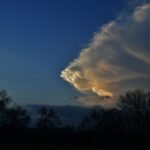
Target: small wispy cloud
(117, 59)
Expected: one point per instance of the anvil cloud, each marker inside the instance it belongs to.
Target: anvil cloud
(117, 59)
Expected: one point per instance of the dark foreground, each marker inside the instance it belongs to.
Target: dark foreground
(70, 140)
(122, 128)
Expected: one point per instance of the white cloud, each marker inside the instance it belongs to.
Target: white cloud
(118, 59)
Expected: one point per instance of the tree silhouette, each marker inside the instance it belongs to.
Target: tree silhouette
(11, 117)
(134, 100)
(136, 106)
(17, 117)
(5, 100)
(102, 120)
(47, 119)
(93, 121)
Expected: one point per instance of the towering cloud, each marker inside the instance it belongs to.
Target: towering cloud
(117, 59)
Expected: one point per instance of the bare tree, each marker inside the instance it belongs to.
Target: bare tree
(5, 100)
(93, 121)
(47, 119)
(17, 117)
(136, 106)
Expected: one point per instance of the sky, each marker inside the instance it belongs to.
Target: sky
(40, 38)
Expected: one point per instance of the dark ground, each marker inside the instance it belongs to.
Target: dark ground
(70, 140)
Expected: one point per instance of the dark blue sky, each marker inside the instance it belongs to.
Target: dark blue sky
(38, 38)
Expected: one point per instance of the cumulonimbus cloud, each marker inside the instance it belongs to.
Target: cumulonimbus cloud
(117, 59)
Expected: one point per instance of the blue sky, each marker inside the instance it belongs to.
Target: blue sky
(39, 38)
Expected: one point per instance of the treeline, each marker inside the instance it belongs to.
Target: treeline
(130, 117)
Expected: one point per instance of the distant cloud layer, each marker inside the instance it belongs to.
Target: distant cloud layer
(117, 59)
